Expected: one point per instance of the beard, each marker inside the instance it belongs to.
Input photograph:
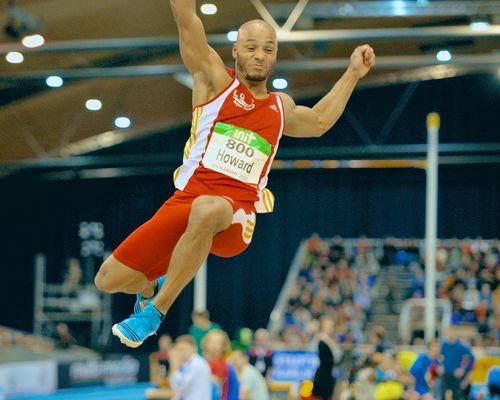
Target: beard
(256, 78)
(251, 77)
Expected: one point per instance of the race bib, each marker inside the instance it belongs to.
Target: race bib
(237, 152)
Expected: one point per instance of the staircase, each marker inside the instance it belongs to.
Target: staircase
(380, 314)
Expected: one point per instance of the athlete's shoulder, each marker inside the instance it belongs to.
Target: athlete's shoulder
(287, 100)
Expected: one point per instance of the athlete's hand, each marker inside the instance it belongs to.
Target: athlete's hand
(362, 59)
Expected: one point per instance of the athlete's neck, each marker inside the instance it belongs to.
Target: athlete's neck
(258, 89)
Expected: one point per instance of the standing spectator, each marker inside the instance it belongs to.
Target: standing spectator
(423, 370)
(392, 294)
(252, 384)
(458, 361)
(215, 346)
(329, 355)
(189, 373)
(261, 355)
(201, 326)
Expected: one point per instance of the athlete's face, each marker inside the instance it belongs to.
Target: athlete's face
(255, 51)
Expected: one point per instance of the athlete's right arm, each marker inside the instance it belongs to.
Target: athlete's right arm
(197, 55)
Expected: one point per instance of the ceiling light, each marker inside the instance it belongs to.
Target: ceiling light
(280, 83)
(479, 25)
(93, 104)
(443, 56)
(54, 81)
(232, 36)
(399, 7)
(32, 41)
(123, 122)
(14, 57)
(208, 9)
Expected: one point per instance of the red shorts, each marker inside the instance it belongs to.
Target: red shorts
(148, 249)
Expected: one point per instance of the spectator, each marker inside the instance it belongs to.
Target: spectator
(458, 361)
(252, 384)
(201, 326)
(190, 373)
(424, 370)
(390, 388)
(64, 339)
(329, 355)
(72, 278)
(493, 382)
(159, 362)
(378, 339)
(261, 355)
(215, 346)
(392, 294)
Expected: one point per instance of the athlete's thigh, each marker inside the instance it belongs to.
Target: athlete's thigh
(148, 249)
(237, 237)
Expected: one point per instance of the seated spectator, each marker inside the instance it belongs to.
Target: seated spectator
(252, 384)
(190, 373)
(378, 340)
(64, 339)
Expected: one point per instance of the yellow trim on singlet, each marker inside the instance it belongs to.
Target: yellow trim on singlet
(267, 200)
(176, 173)
(194, 128)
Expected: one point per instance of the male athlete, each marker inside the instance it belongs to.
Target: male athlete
(236, 128)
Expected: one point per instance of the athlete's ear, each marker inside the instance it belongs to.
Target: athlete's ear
(234, 51)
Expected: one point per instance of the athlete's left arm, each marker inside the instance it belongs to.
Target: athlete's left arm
(301, 121)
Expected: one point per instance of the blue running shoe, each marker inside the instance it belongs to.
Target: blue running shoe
(140, 302)
(138, 327)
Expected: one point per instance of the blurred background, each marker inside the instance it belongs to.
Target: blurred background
(94, 113)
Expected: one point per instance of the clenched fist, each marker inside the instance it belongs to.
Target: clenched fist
(362, 59)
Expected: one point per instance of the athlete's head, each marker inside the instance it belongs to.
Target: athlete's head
(255, 50)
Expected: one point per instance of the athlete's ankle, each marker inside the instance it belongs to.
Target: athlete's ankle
(149, 291)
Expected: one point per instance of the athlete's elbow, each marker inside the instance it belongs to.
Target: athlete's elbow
(316, 133)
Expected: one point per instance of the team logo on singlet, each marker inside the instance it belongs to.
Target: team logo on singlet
(239, 100)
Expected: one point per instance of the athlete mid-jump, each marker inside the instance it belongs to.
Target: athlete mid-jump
(236, 128)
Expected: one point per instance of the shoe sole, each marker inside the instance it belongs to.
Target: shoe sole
(124, 340)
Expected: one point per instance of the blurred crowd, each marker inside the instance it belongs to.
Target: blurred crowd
(467, 274)
(333, 281)
(12, 340)
(204, 365)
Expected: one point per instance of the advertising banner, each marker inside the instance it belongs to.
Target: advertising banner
(33, 377)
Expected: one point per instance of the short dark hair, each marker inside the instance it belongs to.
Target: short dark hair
(200, 313)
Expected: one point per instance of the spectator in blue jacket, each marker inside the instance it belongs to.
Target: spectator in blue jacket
(423, 369)
(458, 361)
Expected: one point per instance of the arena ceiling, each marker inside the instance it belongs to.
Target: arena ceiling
(125, 54)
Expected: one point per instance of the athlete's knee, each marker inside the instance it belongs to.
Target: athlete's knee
(104, 280)
(211, 213)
